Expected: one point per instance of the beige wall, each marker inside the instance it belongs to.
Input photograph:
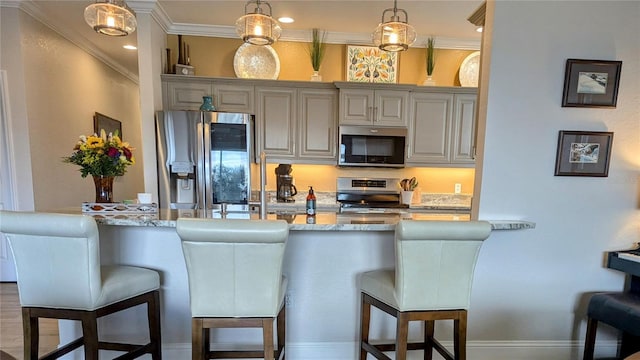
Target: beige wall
(64, 86)
(214, 57)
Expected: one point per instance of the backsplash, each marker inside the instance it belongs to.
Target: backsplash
(426, 199)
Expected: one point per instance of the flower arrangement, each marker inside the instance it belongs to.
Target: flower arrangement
(104, 155)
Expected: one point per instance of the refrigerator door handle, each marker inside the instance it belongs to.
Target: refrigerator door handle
(207, 194)
(200, 177)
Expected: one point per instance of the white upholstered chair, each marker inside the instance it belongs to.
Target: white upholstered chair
(435, 261)
(57, 260)
(235, 280)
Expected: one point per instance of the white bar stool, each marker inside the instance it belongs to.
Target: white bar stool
(57, 260)
(432, 281)
(235, 281)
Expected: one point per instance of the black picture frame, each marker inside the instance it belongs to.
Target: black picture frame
(110, 125)
(583, 153)
(591, 83)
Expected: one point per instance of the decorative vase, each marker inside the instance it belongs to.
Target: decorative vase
(104, 188)
(429, 81)
(207, 104)
(316, 76)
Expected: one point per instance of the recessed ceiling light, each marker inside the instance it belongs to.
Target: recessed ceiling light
(479, 29)
(285, 20)
(130, 47)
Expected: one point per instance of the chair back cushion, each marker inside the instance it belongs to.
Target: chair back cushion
(57, 258)
(435, 261)
(234, 266)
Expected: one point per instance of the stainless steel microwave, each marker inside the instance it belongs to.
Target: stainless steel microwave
(372, 146)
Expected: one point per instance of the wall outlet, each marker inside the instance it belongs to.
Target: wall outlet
(457, 188)
(288, 300)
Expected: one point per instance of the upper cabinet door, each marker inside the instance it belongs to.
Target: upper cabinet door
(356, 107)
(233, 98)
(430, 129)
(184, 95)
(317, 119)
(390, 108)
(464, 129)
(373, 107)
(275, 121)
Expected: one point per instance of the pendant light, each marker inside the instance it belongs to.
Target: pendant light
(110, 17)
(256, 27)
(394, 34)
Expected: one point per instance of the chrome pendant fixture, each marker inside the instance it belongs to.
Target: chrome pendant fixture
(256, 27)
(110, 17)
(394, 34)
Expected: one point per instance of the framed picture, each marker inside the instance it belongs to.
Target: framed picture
(583, 153)
(371, 65)
(591, 83)
(109, 125)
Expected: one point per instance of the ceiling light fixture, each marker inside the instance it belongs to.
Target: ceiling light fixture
(286, 20)
(257, 28)
(394, 34)
(110, 17)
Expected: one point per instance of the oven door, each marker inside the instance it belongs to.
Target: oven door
(368, 146)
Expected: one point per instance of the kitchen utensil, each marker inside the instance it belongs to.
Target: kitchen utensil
(403, 184)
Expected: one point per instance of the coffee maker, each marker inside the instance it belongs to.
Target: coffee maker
(284, 182)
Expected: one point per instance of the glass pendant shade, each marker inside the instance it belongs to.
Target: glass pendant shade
(394, 34)
(257, 28)
(110, 17)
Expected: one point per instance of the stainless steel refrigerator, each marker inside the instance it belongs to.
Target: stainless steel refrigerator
(204, 160)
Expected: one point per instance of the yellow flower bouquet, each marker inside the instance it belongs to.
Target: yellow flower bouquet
(104, 155)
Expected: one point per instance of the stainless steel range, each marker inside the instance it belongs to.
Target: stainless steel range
(369, 195)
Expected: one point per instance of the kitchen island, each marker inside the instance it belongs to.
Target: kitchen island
(323, 261)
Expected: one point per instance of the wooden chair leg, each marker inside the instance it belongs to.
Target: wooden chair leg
(153, 316)
(197, 344)
(281, 326)
(365, 319)
(590, 339)
(267, 338)
(90, 335)
(460, 336)
(206, 338)
(429, 329)
(31, 335)
(402, 333)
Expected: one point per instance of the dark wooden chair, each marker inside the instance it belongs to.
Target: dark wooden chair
(235, 281)
(59, 275)
(435, 261)
(620, 310)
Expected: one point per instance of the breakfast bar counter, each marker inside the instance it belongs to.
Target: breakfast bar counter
(323, 259)
(330, 220)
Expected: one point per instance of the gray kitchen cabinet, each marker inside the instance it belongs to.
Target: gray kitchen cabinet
(464, 129)
(442, 127)
(373, 107)
(233, 97)
(429, 139)
(297, 125)
(275, 122)
(185, 93)
(317, 120)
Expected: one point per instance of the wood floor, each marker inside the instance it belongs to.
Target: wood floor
(11, 326)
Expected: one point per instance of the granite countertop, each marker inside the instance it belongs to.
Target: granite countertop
(323, 221)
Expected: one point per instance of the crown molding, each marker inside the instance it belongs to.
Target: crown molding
(305, 36)
(155, 9)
